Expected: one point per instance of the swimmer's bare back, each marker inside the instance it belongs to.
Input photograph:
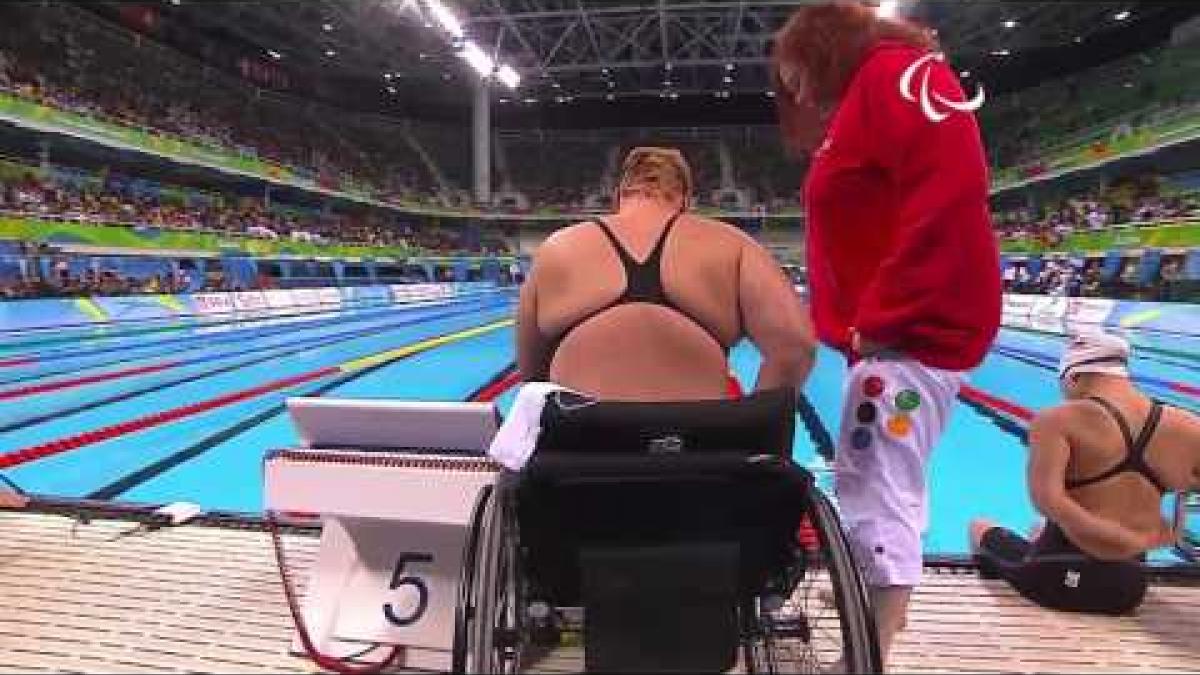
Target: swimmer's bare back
(723, 286)
(1097, 444)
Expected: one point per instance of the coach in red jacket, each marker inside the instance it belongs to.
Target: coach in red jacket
(903, 267)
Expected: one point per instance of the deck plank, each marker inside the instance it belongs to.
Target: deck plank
(83, 598)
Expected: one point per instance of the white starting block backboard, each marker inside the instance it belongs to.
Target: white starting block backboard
(396, 485)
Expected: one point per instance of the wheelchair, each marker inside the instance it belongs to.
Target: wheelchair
(640, 538)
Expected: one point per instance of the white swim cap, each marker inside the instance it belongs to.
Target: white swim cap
(1095, 353)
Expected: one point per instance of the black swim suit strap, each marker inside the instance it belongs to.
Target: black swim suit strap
(627, 260)
(1135, 450)
(1137, 457)
(1120, 420)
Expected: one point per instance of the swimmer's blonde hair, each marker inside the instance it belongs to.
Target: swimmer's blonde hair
(661, 173)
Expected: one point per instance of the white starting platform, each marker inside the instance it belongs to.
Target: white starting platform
(399, 488)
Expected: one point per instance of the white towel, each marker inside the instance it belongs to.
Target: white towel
(514, 443)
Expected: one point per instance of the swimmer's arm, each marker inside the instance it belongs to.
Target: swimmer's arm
(775, 320)
(1049, 455)
(532, 350)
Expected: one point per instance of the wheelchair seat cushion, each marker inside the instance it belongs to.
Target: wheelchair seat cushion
(762, 423)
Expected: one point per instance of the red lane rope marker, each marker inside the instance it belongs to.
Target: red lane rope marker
(496, 389)
(1188, 389)
(14, 362)
(996, 403)
(36, 452)
(21, 392)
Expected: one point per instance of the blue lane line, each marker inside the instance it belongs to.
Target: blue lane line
(77, 473)
(228, 477)
(303, 346)
(203, 339)
(241, 337)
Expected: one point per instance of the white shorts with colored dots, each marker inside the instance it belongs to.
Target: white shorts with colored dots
(895, 411)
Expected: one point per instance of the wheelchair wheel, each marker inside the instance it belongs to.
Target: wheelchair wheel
(487, 631)
(826, 625)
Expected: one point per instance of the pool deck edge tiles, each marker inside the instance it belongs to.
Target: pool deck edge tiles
(84, 598)
(17, 457)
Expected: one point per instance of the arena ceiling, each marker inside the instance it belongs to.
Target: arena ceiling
(580, 58)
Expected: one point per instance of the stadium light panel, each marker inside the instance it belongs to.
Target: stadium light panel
(1122, 15)
(274, 54)
(445, 18)
(1010, 24)
(326, 27)
(477, 58)
(508, 77)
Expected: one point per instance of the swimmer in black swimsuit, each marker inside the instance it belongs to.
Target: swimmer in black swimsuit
(645, 304)
(1104, 515)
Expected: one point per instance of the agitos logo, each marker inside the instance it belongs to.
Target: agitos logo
(935, 106)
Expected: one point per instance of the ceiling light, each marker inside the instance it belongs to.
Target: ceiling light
(330, 53)
(611, 84)
(964, 74)
(728, 80)
(770, 94)
(530, 99)
(387, 76)
(391, 90)
(274, 54)
(474, 55)
(1001, 52)
(610, 97)
(556, 85)
(177, 2)
(508, 77)
(669, 65)
(445, 18)
(326, 27)
(1128, 85)
(604, 70)
(503, 101)
(1078, 39)
(729, 66)
(1010, 24)
(887, 8)
(1122, 15)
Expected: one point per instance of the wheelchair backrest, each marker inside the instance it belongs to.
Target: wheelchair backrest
(762, 423)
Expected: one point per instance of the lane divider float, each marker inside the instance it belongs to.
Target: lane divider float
(43, 450)
(109, 376)
(272, 352)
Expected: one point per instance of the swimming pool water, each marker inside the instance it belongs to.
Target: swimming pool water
(106, 402)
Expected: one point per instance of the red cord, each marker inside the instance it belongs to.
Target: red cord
(323, 661)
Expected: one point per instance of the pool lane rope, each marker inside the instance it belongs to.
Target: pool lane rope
(303, 346)
(310, 343)
(70, 443)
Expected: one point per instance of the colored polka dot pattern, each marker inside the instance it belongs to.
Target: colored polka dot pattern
(861, 439)
(873, 386)
(866, 413)
(899, 425)
(908, 400)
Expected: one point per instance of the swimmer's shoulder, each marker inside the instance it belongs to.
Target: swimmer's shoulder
(1066, 419)
(720, 233)
(562, 244)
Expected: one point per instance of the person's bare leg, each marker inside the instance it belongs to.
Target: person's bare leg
(891, 615)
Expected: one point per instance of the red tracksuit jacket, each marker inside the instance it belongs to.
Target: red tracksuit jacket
(900, 244)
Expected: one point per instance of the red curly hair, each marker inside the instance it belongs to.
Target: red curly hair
(824, 45)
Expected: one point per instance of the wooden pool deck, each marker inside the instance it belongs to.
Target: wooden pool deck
(108, 597)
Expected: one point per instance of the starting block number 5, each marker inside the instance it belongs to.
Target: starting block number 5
(411, 583)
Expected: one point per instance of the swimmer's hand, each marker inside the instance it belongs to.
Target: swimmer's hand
(863, 346)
